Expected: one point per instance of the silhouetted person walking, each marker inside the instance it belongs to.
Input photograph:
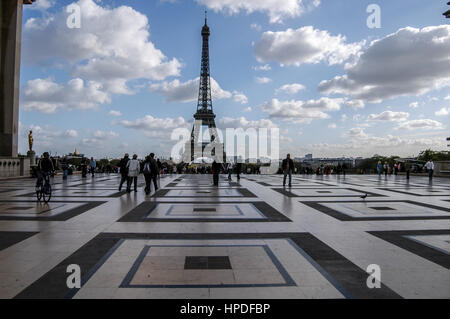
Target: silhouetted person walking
(123, 166)
(407, 169)
(147, 170)
(238, 170)
(229, 170)
(288, 167)
(216, 172)
(155, 170)
(92, 165)
(430, 168)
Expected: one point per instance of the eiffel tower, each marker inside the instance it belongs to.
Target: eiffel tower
(204, 117)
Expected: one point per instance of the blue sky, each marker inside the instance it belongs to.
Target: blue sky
(111, 86)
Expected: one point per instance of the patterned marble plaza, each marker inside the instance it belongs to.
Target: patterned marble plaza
(248, 239)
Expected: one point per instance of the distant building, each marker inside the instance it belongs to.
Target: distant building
(75, 154)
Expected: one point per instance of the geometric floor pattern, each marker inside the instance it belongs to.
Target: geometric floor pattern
(249, 239)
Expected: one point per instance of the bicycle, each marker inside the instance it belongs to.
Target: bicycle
(44, 190)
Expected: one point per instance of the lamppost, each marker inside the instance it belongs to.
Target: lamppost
(447, 14)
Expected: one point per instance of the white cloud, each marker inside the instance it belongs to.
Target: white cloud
(304, 45)
(332, 126)
(414, 105)
(104, 135)
(239, 97)
(262, 80)
(41, 5)
(264, 67)
(71, 133)
(443, 112)
(421, 124)
(47, 96)
(155, 127)
(277, 10)
(362, 144)
(256, 26)
(248, 109)
(290, 88)
(242, 122)
(389, 116)
(186, 92)
(357, 132)
(301, 111)
(115, 113)
(354, 104)
(447, 97)
(111, 47)
(396, 66)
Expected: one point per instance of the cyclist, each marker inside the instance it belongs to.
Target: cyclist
(45, 168)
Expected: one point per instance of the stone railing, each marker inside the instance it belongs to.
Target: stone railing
(442, 168)
(14, 167)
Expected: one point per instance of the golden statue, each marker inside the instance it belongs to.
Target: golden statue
(30, 140)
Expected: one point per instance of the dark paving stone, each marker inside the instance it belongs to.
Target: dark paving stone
(139, 214)
(347, 277)
(382, 208)
(60, 217)
(10, 238)
(207, 262)
(398, 238)
(344, 217)
(199, 209)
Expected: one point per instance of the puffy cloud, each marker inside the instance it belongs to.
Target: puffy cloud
(414, 105)
(368, 145)
(304, 45)
(105, 135)
(47, 96)
(256, 26)
(185, 92)
(354, 104)
(290, 88)
(155, 127)
(357, 132)
(389, 116)
(262, 80)
(111, 47)
(443, 112)
(408, 62)
(421, 124)
(115, 113)
(248, 109)
(332, 126)
(277, 10)
(240, 97)
(242, 122)
(264, 67)
(301, 111)
(71, 133)
(41, 5)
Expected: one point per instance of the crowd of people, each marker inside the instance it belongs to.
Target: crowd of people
(386, 169)
(130, 168)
